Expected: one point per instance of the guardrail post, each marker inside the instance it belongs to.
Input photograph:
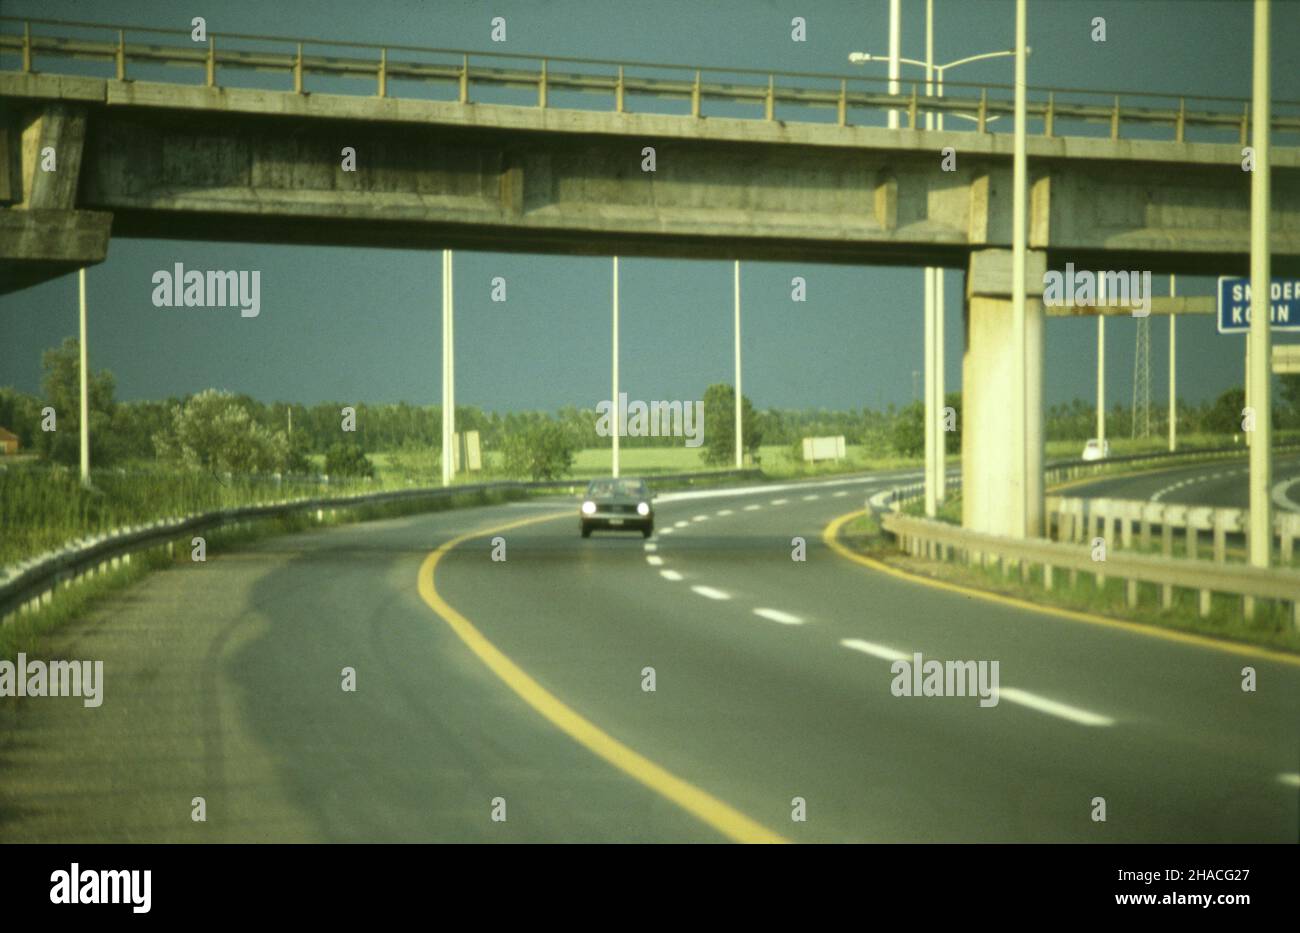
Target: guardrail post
(212, 61)
(1245, 123)
(1131, 594)
(911, 110)
(383, 72)
(984, 110)
(463, 95)
(297, 71)
(695, 95)
(618, 92)
(1180, 123)
(1203, 605)
(1049, 118)
(27, 47)
(842, 106)
(1220, 536)
(1047, 577)
(119, 57)
(541, 86)
(769, 104)
(1114, 120)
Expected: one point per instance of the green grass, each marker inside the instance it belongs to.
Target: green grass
(68, 603)
(44, 507)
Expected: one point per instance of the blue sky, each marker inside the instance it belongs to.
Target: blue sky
(363, 325)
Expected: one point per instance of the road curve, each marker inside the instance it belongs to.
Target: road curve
(772, 695)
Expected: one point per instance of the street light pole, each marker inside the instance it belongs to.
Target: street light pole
(448, 379)
(935, 446)
(1173, 384)
(614, 379)
(1101, 380)
(1022, 481)
(932, 351)
(740, 448)
(1260, 338)
(85, 378)
(895, 41)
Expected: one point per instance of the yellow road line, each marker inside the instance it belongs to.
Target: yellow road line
(830, 535)
(725, 819)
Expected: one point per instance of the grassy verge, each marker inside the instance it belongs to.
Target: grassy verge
(26, 631)
(1270, 628)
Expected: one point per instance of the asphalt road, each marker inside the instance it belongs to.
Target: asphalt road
(772, 682)
(1215, 482)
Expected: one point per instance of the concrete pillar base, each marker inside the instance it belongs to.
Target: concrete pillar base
(1002, 467)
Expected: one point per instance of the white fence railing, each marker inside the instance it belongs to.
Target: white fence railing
(1120, 521)
(938, 540)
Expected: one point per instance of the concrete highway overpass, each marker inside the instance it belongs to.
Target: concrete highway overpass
(212, 162)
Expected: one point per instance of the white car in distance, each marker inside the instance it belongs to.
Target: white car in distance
(1096, 449)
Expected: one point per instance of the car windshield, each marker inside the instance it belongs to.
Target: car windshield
(617, 487)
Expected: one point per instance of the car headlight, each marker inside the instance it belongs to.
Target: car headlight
(643, 508)
(588, 508)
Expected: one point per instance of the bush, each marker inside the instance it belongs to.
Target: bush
(541, 451)
(345, 459)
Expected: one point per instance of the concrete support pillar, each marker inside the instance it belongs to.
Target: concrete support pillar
(1002, 484)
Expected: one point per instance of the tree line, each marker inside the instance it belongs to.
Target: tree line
(238, 433)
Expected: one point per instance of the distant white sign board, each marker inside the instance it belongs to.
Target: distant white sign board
(823, 448)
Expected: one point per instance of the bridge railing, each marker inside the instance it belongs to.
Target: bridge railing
(226, 59)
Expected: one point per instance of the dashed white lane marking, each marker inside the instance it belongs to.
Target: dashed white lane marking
(1281, 496)
(700, 518)
(654, 560)
(780, 501)
(651, 546)
(1290, 780)
(876, 651)
(670, 575)
(1052, 708)
(776, 615)
(710, 593)
(666, 531)
(681, 524)
(752, 508)
(840, 494)
(810, 498)
(724, 512)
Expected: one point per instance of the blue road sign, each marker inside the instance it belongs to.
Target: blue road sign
(1234, 305)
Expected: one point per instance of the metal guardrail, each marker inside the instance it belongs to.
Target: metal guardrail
(1115, 520)
(29, 583)
(940, 540)
(469, 70)
(1067, 470)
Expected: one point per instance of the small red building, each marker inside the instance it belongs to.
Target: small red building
(8, 442)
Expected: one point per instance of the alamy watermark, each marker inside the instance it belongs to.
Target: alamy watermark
(917, 678)
(53, 679)
(653, 419)
(213, 289)
(1104, 288)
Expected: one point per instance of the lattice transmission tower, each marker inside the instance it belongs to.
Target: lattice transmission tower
(1142, 379)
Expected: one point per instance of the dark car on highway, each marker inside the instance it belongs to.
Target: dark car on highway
(617, 504)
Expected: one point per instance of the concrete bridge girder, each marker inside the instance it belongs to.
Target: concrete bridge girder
(42, 233)
(230, 163)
